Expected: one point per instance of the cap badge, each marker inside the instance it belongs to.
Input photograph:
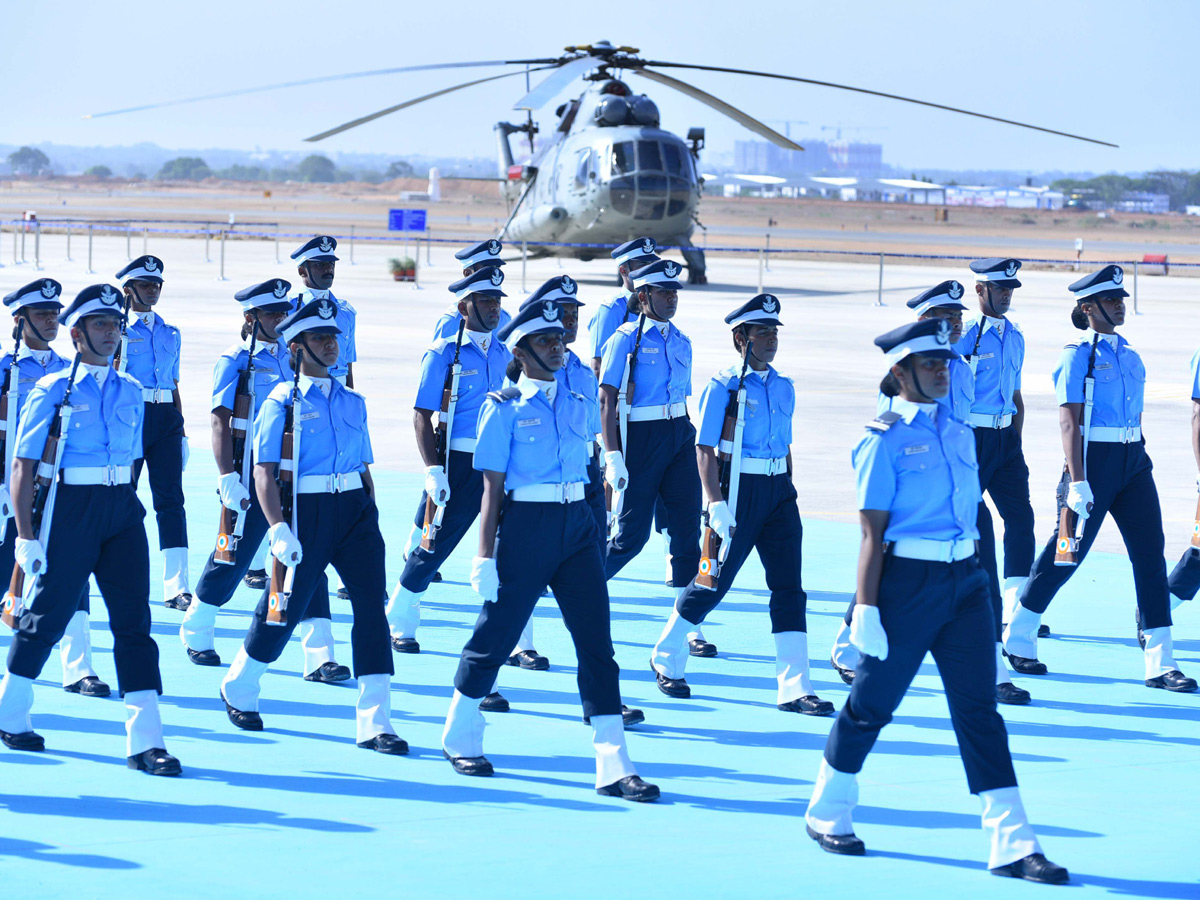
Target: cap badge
(497, 277)
(943, 332)
(109, 297)
(48, 289)
(325, 309)
(326, 245)
(567, 285)
(955, 291)
(648, 246)
(549, 310)
(280, 289)
(1011, 269)
(151, 264)
(769, 305)
(670, 270)
(493, 247)
(1118, 275)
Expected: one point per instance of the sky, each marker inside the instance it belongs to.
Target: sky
(1107, 69)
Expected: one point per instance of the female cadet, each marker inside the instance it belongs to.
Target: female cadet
(1100, 382)
(337, 522)
(921, 589)
(264, 306)
(35, 309)
(537, 531)
(483, 255)
(151, 355)
(766, 517)
(96, 529)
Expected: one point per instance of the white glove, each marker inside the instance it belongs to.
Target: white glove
(233, 492)
(437, 485)
(187, 453)
(284, 545)
(6, 509)
(484, 578)
(720, 519)
(866, 631)
(615, 472)
(30, 556)
(1079, 498)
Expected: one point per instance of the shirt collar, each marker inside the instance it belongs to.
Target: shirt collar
(308, 384)
(529, 387)
(481, 339)
(986, 322)
(27, 352)
(1113, 340)
(908, 410)
(662, 327)
(315, 295)
(261, 346)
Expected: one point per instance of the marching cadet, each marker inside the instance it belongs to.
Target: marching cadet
(532, 457)
(97, 529)
(150, 353)
(1184, 581)
(482, 255)
(657, 457)
(35, 308)
(264, 307)
(337, 523)
(921, 590)
(766, 517)
(457, 487)
(1100, 382)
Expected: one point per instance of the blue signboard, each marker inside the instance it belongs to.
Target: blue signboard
(406, 220)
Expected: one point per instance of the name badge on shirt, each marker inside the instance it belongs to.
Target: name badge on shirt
(525, 423)
(987, 355)
(1106, 365)
(304, 417)
(466, 372)
(82, 407)
(133, 340)
(648, 350)
(916, 448)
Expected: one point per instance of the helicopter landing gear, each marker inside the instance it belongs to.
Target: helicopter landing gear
(694, 259)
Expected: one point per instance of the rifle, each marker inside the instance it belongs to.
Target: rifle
(441, 437)
(973, 356)
(121, 357)
(282, 576)
(1070, 525)
(45, 489)
(613, 497)
(229, 530)
(714, 551)
(8, 412)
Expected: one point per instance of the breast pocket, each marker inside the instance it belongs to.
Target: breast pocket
(122, 429)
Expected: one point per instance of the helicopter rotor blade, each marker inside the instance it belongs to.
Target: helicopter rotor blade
(407, 103)
(516, 206)
(720, 106)
(319, 80)
(555, 82)
(857, 90)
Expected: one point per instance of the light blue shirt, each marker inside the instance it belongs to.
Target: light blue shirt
(578, 377)
(998, 364)
(923, 473)
(447, 325)
(333, 429)
(29, 372)
(270, 368)
(1120, 381)
(1196, 375)
(663, 368)
(152, 354)
(958, 401)
(346, 319)
(770, 405)
(532, 439)
(607, 318)
(479, 375)
(105, 427)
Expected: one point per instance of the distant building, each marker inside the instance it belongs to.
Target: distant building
(1023, 197)
(849, 157)
(1143, 202)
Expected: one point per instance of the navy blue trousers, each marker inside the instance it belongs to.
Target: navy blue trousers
(540, 545)
(97, 530)
(943, 609)
(162, 453)
(661, 458)
(462, 509)
(218, 581)
(1185, 577)
(593, 495)
(343, 530)
(8, 560)
(1004, 476)
(1122, 481)
(767, 521)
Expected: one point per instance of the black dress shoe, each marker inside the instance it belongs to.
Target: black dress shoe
(631, 788)
(494, 702)
(698, 647)
(329, 673)
(470, 765)
(1173, 681)
(847, 675)
(204, 657)
(845, 844)
(810, 705)
(528, 659)
(405, 645)
(247, 721)
(343, 594)
(180, 602)
(1011, 694)
(1025, 665)
(437, 576)
(629, 716)
(155, 762)
(1043, 631)
(23, 740)
(672, 687)
(256, 579)
(89, 686)
(1034, 867)
(386, 743)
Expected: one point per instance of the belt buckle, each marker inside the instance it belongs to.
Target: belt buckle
(562, 490)
(110, 476)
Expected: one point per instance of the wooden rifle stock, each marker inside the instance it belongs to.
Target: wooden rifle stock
(710, 541)
(281, 575)
(1065, 545)
(229, 528)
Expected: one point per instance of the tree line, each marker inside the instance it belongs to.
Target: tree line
(1182, 187)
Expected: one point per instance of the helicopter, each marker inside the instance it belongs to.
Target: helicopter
(609, 171)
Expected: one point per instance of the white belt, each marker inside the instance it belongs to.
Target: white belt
(330, 484)
(1106, 435)
(549, 493)
(980, 420)
(752, 466)
(464, 445)
(591, 445)
(933, 551)
(654, 413)
(108, 475)
(158, 395)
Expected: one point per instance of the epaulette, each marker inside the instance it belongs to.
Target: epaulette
(628, 327)
(505, 395)
(441, 343)
(1016, 326)
(884, 421)
(126, 376)
(1074, 344)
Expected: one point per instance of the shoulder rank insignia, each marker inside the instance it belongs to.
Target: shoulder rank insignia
(884, 421)
(505, 395)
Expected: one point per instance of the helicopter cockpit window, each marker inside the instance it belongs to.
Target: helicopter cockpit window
(673, 156)
(622, 192)
(582, 167)
(622, 157)
(649, 158)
